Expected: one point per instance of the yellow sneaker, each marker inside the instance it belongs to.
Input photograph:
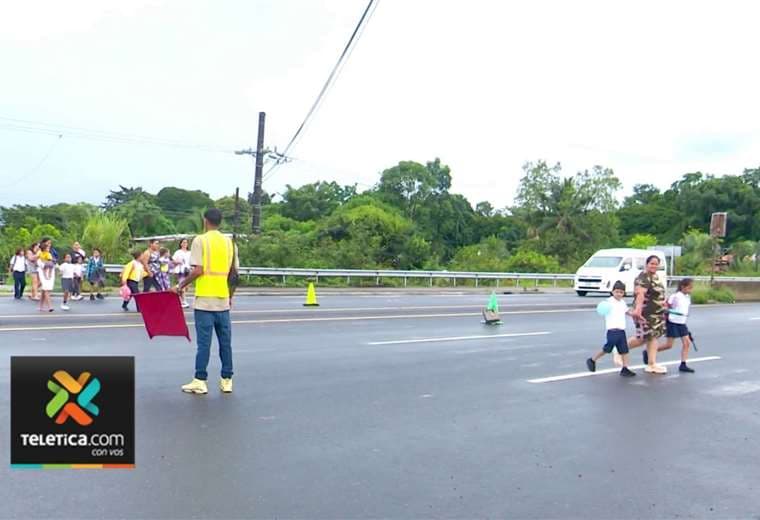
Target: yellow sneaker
(225, 385)
(196, 386)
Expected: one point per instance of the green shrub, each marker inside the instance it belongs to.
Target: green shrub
(701, 295)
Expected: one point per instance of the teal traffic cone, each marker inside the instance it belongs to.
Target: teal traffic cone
(491, 312)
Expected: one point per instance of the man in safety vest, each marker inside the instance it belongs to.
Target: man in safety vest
(212, 257)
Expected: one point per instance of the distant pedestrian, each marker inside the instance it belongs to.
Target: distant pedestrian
(152, 266)
(95, 274)
(17, 269)
(181, 261)
(46, 271)
(133, 272)
(31, 268)
(162, 277)
(615, 323)
(67, 270)
(76, 290)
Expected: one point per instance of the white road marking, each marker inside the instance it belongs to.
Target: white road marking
(754, 319)
(457, 338)
(287, 320)
(578, 375)
(301, 309)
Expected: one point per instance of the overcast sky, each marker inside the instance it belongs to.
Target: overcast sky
(651, 89)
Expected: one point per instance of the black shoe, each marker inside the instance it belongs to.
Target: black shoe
(591, 365)
(684, 368)
(92, 297)
(99, 296)
(627, 373)
(645, 356)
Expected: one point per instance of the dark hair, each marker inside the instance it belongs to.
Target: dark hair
(36, 244)
(153, 241)
(651, 257)
(136, 254)
(618, 286)
(163, 251)
(184, 240)
(214, 216)
(19, 250)
(97, 249)
(686, 282)
(45, 239)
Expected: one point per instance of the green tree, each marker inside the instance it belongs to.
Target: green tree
(108, 233)
(143, 217)
(642, 241)
(314, 201)
(177, 202)
(528, 261)
(490, 255)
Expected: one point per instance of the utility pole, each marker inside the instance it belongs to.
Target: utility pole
(256, 220)
(259, 155)
(236, 218)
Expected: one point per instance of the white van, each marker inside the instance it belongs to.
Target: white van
(607, 266)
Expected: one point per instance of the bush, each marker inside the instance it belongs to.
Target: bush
(524, 261)
(701, 295)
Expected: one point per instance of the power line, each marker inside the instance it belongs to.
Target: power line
(37, 166)
(38, 127)
(355, 35)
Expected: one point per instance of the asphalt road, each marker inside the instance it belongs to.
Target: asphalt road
(398, 407)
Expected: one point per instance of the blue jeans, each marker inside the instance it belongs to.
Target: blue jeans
(19, 282)
(206, 322)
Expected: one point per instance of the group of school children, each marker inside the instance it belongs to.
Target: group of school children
(677, 311)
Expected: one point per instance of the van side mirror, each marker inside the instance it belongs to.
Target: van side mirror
(626, 267)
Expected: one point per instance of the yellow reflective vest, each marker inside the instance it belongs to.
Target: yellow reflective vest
(217, 259)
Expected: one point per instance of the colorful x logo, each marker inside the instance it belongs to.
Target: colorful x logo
(68, 387)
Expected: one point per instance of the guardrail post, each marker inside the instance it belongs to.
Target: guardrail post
(497, 283)
(283, 280)
(405, 281)
(377, 281)
(555, 281)
(431, 280)
(476, 281)
(348, 280)
(453, 281)
(316, 279)
(536, 282)
(517, 282)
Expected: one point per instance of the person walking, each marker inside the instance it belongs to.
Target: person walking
(17, 269)
(96, 274)
(31, 268)
(152, 266)
(181, 260)
(46, 268)
(213, 258)
(649, 314)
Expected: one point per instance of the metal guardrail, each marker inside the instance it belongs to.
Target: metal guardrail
(378, 274)
(284, 272)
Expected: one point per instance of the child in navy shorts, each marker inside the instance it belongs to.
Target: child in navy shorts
(616, 338)
(678, 310)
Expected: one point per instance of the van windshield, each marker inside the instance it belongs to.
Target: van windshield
(604, 261)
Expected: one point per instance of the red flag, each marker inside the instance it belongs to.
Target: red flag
(162, 314)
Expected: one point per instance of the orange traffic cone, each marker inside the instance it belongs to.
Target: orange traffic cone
(311, 296)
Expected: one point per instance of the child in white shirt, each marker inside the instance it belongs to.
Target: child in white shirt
(67, 280)
(616, 338)
(678, 311)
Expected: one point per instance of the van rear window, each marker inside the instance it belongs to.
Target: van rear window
(604, 261)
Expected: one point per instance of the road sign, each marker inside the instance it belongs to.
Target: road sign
(670, 250)
(718, 225)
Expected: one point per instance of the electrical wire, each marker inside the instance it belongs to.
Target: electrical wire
(37, 166)
(38, 127)
(355, 35)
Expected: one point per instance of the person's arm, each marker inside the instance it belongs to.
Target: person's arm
(638, 302)
(144, 261)
(195, 273)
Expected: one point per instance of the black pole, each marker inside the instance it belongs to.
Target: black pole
(256, 220)
(236, 218)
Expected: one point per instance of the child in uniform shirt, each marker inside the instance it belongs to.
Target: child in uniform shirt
(76, 294)
(67, 280)
(615, 323)
(132, 275)
(678, 310)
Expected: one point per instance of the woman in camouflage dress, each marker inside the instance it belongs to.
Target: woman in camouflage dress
(649, 314)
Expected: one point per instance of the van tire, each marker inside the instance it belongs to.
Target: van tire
(582, 293)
